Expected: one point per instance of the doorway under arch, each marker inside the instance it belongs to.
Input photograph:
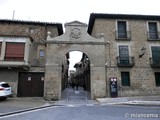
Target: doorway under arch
(76, 76)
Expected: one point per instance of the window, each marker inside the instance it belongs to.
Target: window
(125, 78)
(0, 48)
(14, 51)
(157, 78)
(155, 55)
(123, 54)
(41, 53)
(153, 32)
(122, 30)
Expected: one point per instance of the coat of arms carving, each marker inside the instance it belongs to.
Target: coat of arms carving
(75, 33)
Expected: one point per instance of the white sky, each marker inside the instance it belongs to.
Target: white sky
(63, 11)
(75, 56)
(69, 10)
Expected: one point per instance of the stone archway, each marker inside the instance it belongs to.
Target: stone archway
(74, 39)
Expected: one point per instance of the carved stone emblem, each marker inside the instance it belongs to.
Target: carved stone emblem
(75, 33)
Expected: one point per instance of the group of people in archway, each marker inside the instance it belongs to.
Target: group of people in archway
(75, 83)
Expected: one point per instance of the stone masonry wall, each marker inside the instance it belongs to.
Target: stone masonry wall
(75, 39)
(38, 34)
(142, 78)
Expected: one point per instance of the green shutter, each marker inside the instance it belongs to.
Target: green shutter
(156, 54)
(157, 78)
(125, 77)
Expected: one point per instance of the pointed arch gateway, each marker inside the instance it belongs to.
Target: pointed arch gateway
(74, 39)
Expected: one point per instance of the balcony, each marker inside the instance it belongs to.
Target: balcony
(125, 61)
(123, 35)
(154, 63)
(153, 35)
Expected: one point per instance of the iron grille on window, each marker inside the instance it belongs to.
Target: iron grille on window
(122, 32)
(153, 35)
(153, 31)
(123, 35)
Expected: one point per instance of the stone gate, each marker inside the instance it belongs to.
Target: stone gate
(75, 38)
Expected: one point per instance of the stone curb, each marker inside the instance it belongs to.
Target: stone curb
(26, 110)
(135, 102)
(145, 103)
(41, 107)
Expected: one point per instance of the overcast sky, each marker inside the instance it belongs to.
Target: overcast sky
(69, 10)
(63, 11)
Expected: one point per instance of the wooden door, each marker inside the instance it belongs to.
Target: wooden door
(30, 84)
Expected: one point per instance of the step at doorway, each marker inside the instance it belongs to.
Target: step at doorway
(70, 94)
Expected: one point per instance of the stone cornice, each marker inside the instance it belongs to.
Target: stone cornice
(76, 42)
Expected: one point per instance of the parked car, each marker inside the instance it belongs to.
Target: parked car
(5, 90)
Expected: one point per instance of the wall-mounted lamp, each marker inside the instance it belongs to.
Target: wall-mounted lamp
(108, 42)
(142, 52)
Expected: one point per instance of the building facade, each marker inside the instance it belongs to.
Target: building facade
(132, 51)
(75, 38)
(22, 55)
(35, 55)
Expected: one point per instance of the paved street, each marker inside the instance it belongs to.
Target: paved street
(16, 104)
(97, 112)
(80, 107)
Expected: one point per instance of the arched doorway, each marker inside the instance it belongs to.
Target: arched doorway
(74, 39)
(76, 76)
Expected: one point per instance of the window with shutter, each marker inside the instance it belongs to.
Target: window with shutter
(156, 55)
(122, 31)
(14, 51)
(153, 33)
(0, 48)
(157, 78)
(125, 77)
(124, 54)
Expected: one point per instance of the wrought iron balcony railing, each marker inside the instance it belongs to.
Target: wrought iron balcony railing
(155, 63)
(125, 61)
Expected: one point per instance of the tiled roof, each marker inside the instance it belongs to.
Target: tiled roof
(58, 25)
(28, 22)
(9, 35)
(17, 36)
